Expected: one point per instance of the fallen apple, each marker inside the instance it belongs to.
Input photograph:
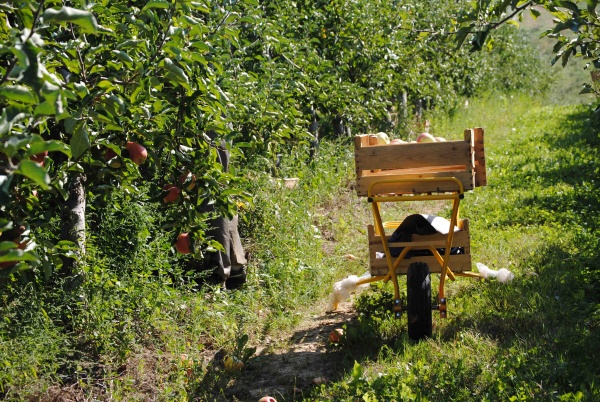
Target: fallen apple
(173, 194)
(425, 137)
(182, 244)
(233, 365)
(336, 335)
(137, 153)
(267, 399)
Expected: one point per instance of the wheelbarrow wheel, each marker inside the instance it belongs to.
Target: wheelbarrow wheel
(419, 301)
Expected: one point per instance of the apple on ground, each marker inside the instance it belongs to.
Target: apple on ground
(336, 335)
(137, 153)
(173, 194)
(425, 137)
(233, 365)
(183, 243)
(267, 399)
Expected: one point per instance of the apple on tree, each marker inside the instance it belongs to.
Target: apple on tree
(183, 243)
(112, 159)
(173, 194)
(189, 179)
(39, 158)
(137, 153)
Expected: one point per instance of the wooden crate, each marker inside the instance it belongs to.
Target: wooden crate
(463, 160)
(456, 263)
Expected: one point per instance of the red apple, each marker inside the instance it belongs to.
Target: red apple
(173, 194)
(336, 335)
(183, 243)
(110, 156)
(137, 153)
(440, 139)
(267, 399)
(190, 178)
(7, 264)
(425, 137)
(39, 158)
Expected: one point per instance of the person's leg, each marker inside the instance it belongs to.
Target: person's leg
(220, 259)
(238, 257)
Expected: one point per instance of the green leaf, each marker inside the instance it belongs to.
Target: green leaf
(534, 13)
(84, 19)
(18, 255)
(178, 73)
(50, 146)
(80, 142)
(461, 35)
(357, 371)
(18, 93)
(7, 245)
(156, 4)
(35, 172)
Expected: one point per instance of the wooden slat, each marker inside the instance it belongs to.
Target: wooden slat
(461, 239)
(359, 142)
(457, 263)
(363, 183)
(412, 155)
(479, 155)
(416, 171)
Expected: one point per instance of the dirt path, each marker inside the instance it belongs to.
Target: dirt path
(292, 371)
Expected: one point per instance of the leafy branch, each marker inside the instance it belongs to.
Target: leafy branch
(13, 62)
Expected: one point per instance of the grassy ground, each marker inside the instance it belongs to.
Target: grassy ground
(532, 339)
(141, 330)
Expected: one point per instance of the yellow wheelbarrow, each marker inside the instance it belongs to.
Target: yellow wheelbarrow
(413, 172)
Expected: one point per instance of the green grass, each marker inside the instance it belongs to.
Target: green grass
(532, 339)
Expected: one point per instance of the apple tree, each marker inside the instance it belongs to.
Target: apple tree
(88, 87)
(576, 27)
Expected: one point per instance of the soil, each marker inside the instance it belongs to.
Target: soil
(290, 372)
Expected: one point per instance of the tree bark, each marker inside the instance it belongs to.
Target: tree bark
(73, 225)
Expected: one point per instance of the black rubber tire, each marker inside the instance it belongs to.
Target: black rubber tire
(419, 301)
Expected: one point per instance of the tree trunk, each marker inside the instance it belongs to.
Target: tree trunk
(73, 226)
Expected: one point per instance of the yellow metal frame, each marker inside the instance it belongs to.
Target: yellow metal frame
(375, 200)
